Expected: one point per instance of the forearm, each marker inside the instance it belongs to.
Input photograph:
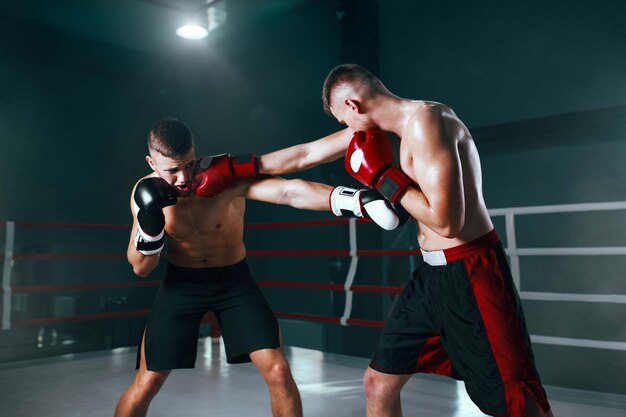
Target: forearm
(142, 264)
(295, 193)
(443, 220)
(307, 195)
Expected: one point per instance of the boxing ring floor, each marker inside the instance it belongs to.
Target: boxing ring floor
(90, 384)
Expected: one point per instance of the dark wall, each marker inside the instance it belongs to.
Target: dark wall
(497, 62)
(73, 113)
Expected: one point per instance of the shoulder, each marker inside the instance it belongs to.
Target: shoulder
(150, 175)
(427, 123)
(428, 114)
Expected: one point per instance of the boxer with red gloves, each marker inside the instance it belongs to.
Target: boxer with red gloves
(459, 315)
(369, 160)
(216, 173)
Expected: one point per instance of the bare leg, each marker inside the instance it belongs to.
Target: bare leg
(284, 394)
(137, 397)
(382, 393)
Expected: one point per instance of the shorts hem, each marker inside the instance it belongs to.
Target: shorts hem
(244, 357)
(167, 368)
(391, 371)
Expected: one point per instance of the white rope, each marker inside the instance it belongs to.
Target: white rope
(511, 247)
(586, 343)
(583, 298)
(354, 260)
(560, 208)
(616, 250)
(6, 275)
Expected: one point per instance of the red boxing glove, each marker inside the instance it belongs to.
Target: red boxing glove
(370, 161)
(216, 173)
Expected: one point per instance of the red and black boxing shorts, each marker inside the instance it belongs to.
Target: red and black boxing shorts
(460, 316)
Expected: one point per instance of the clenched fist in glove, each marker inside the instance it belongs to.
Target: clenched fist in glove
(370, 161)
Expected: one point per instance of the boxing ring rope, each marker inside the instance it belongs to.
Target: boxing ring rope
(349, 288)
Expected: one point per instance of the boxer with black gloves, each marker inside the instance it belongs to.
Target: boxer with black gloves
(198, 207)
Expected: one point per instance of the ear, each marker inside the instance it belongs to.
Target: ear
(354, 105)
(150, 162)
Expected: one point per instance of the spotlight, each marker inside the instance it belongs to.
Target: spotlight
(192, 31)
(204, 20)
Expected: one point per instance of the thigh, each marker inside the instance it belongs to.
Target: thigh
(484, 333)
(145, 377)
(409, 329)
(246, 321)
(171, 335)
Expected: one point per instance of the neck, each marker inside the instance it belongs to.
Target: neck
(391, 113)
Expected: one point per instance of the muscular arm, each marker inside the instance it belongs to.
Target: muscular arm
(438, 202)
(296, 193)
(306, 155)
(142, 264)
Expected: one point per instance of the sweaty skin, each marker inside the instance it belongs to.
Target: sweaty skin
(436, 151)
(208, 232)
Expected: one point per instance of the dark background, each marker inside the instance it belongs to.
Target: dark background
(541, 85)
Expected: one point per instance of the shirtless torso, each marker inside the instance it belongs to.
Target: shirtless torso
(422, 159)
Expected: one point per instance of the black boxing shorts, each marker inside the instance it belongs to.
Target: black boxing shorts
(460, 316)
(186, 294)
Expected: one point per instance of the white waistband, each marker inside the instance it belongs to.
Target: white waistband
(434, 258)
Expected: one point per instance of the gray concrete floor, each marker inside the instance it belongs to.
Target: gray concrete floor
(89, 385)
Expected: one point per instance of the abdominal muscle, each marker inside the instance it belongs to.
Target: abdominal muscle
(204, 233)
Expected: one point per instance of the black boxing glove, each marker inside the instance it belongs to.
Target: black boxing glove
(151, 195)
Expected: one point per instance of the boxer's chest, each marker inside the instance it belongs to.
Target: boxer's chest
(204, 217)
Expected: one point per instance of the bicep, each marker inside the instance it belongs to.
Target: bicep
(441, 180)
(437, 164)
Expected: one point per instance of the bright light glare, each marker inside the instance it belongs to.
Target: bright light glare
(192, 32)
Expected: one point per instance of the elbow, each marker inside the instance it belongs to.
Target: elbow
(141, 269)
(291, 195)
(141, 272)
(450, 228)
(449, 232)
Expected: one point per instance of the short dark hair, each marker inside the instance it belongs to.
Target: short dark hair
(347, 74)
(170, 137)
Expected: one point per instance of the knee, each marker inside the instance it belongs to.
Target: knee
(373, 386)
(279, 376)
(146, 386)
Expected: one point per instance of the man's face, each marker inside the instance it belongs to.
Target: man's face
(177, 172)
